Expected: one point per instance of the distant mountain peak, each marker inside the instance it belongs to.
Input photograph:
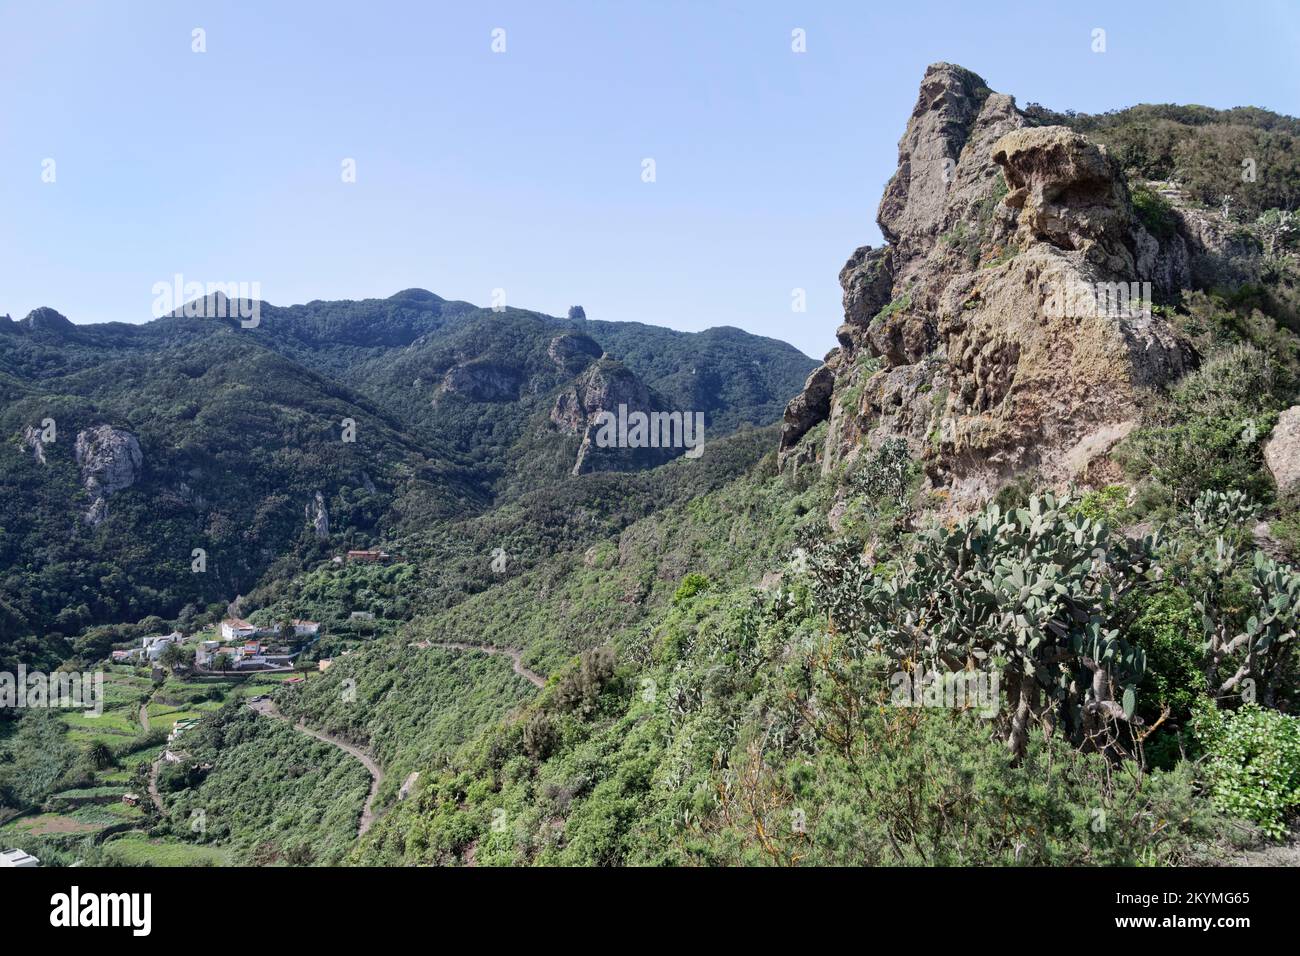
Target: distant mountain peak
(46, 319)
(417, 295)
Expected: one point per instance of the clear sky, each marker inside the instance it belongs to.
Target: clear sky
(523, 170)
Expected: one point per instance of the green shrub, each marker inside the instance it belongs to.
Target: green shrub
(1154, 212)
(1104, 504)
(691, 585)
(1208, 435)
(1166, 625)
(887, 477)
(1252, 763)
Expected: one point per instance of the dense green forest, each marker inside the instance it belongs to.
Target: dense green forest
(245, 435)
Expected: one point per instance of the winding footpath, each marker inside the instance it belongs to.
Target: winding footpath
(154, 795)
(267, 708)
(532, 677)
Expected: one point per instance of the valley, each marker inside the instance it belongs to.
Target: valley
(443, 617)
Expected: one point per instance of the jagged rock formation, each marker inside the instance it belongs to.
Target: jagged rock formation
(603, 387)
(32, 440)
(46, 323)
(977, 334)
(110, 460)
(318, 517)
(1282, 453)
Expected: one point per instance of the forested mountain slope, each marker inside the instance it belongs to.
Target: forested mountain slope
(327, 426)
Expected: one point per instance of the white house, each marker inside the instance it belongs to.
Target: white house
(18, 858)
(305, 628)
(237, 629)
(153, 646)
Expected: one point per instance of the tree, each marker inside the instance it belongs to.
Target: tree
(101, 756)
(171, 657)
(1279, 228)
(221, 662)
(577, 312)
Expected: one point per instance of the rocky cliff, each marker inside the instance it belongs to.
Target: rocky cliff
(110, 461)
(1004, 328)
(603, 388)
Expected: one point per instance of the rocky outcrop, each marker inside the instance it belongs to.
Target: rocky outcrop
(995, 332)
(481, 381)
(47, 324)
(35, 443)
(110, 460)
(1068, 192)
(1282, 453)
(606, 386)
(318, 517)
(572, 352)
(809, 407)
(867, 280)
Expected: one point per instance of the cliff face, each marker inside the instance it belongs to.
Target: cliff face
(995, 331)
(602, 388)
(110, 460)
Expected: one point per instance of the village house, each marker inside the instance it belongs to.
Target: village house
(18, 858)
(305, 628)
(237, 629)
(370, 556)
(180, 727)
(152, 647)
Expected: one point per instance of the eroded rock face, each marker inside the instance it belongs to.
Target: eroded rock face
(867, 280)
(35, 443)
(481, 381)
(980, 349)
(572, 352)
(110, 460)
(1068, 191)
(1282, 453)
(809, 407)
(318, 517)
(604, 387)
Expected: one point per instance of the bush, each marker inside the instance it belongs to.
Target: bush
(691, 585)
(579, 689)
(1154, 212)
(1166, 626)
(1207, 436)
(1252, 763)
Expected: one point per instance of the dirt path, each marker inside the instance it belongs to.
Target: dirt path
(154, 795)
(535, 679)
(267, 708)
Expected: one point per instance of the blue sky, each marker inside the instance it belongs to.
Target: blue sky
(522, 170)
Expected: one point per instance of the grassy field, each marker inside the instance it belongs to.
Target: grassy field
(136, 849)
